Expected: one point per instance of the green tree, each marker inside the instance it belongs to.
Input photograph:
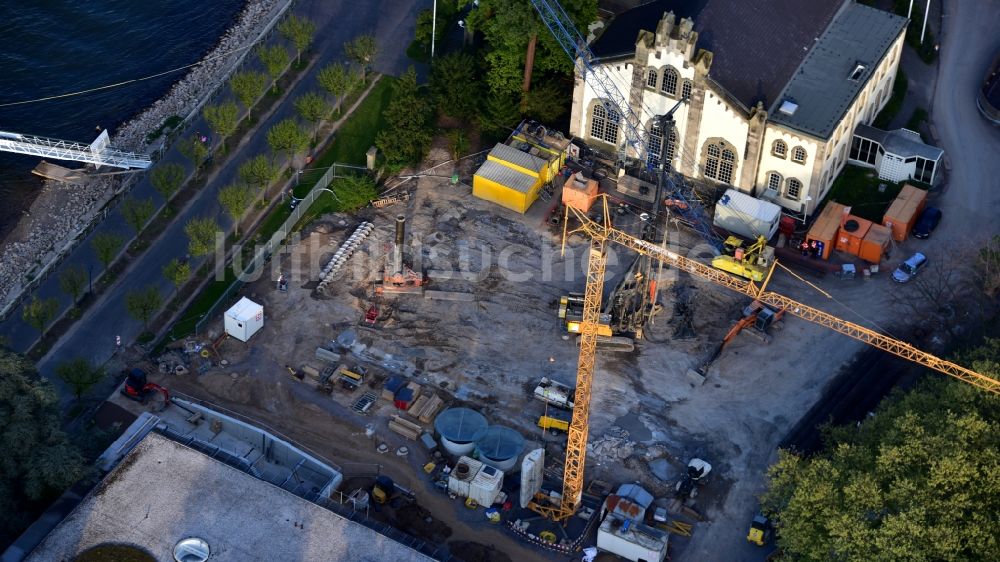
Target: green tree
(72, 280)
(106, 246)
(38, 313)
(546, 102)
(223, 119)
(288, 137)
(408, 133)
(39, 461)
(201, 236)
(80, 375)
(142, 304)
(916, 481)
(258, 172)
(167, 179)
(177, 272)
(362, 50)
(987, 267)
(300, 31)
(248, 86)
(507, 25)
(354, 192)
(275, 60)
(314, 108)
(137, 212)
(456, 86)
(500, 115)
(446, 12)
(339, 81)
(235, 199)
(458, 143)
(194, 150)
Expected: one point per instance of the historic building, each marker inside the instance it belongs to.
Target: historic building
(774, 88)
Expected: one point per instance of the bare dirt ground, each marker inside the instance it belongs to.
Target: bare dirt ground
(647, 419)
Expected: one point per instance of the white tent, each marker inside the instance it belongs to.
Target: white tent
(244, 319)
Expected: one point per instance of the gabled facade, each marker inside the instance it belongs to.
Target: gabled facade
(775, 121)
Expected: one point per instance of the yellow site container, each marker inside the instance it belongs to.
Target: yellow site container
(505, 186)
(521, 161)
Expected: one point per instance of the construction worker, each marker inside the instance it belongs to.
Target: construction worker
(804, 248)
(814, 249)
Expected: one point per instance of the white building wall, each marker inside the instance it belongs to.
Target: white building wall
(869, 102)
(655, 102)
(787, 167)
(719, 120)
(621, 75)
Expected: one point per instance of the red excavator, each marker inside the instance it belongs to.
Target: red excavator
(139, 389)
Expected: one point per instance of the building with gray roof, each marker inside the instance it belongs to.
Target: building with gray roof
(769, 91)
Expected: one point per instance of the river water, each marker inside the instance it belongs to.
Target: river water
(52, 47)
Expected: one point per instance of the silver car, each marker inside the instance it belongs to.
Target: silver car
(909, 268)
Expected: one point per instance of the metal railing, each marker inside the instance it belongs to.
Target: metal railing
(277, 241)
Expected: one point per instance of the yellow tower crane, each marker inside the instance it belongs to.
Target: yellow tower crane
(600, 234)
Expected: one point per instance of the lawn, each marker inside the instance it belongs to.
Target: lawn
(859, 188)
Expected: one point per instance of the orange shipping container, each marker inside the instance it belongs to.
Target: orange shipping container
(904, 211)
(852, 233)
(875, 244)
(579, 192)
(824, 230)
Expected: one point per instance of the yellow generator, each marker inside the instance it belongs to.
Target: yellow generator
(751, 263)
(548, 422)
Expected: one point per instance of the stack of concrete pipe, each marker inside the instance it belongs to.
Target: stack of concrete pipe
(343, 254)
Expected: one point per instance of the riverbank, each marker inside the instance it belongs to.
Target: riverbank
(62, 214)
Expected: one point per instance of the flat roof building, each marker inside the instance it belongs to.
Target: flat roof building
(163, 492)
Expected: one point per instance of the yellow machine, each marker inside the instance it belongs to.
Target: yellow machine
(548, 422)
(751, 263)
(760, 530)
(600, 233)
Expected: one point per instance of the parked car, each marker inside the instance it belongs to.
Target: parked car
(927, 222)
(909, 268)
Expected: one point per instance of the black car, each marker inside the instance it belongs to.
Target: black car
(927, 222)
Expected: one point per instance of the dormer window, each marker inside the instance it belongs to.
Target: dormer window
(858, 72)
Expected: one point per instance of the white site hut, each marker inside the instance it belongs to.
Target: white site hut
(244, 319)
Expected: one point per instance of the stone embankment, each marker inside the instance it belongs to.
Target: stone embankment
(61, 212)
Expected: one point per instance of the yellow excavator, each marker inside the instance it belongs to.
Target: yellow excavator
(751, 263)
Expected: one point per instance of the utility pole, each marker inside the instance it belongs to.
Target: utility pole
(434, 23)
(927, 12)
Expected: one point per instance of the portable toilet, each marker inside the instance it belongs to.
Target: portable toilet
(244, 319)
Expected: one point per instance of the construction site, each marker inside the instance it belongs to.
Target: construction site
(449, 356)
(548, 350)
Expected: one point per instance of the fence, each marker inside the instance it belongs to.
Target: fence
(277, 241)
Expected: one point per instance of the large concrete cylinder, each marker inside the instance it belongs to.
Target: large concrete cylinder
(400, 230)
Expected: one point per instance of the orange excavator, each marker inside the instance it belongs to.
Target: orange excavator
(138, 388)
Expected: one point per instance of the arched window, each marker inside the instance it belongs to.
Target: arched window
(774, 181)
(720, 162)
(779, 149)
(794, 190)
(669, 85)
(799, 155)
(604, 126)
(686, 89)
(651, 78)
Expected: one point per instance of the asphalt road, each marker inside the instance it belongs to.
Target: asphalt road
(969, 200)
(93, 336)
